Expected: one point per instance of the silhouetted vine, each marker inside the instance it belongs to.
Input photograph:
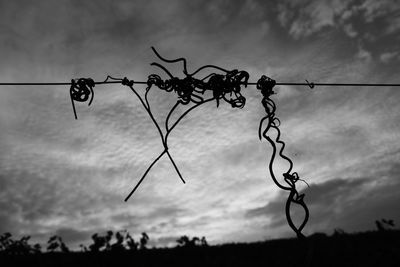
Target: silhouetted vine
(225, 85)
(80, 91)
(266, 84)
(190, 90)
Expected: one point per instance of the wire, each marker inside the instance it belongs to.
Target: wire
(249, 83)
(225, 87)
(63, 83)
(336, 84)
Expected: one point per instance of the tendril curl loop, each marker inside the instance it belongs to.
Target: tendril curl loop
(266, 84)
(80, 90)
(226, 85)
(189, 89)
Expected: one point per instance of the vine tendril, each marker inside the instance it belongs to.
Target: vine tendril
(190, 92)
(266, 84)
(80, 91)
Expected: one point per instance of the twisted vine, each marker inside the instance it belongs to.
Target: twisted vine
(224, 86)
(189, 90)
(80, 91)
(266, 84)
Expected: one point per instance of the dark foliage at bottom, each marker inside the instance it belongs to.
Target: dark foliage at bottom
(378, 248)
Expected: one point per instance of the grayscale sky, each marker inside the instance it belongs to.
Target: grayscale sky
(68, 177)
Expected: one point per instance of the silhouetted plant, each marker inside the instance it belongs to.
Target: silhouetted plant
(83, 248)
(17, 247)
(203, 242)
(56, 243)
(143, 240)
(37, 248)
(101, 242)
(123, 241)
(185, 241)
(5, 241)
(119, 244)
(338, 231)
(130, 242)
(384, 225)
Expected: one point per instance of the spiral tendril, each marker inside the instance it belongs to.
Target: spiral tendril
(80, 90)
(266, 84)
(225, 86)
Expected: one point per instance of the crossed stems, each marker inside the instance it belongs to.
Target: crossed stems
(164, 139)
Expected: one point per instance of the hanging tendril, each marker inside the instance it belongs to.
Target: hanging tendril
(226, 86)
(266, 84)
(80, 90)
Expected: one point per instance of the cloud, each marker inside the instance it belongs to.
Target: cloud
(363, 54)
(394, 25)
(350, 31)
(373, 10)
(304, 18)
(364, 22)
(59, 175)
(389, 56)
(73, 237)
(351, 203)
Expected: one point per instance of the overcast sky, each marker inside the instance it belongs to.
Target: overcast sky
(68, 177)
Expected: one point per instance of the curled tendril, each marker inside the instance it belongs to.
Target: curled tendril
(226, 86)
(189, 89)
(266, 84)
(80, 91)
(125, 81)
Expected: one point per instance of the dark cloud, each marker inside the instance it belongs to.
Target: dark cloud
(27, 203)
(365, 22)
(351, 204)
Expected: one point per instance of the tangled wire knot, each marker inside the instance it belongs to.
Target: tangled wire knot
(266, 84)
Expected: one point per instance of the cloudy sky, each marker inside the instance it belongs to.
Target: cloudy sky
(68, 177)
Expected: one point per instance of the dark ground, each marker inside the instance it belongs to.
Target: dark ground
(378, 248)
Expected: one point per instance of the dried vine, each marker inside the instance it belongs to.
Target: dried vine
(80, 91)
(189, 90)
(225, 85)
(266, 84)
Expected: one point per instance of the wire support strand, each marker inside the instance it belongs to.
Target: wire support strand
(249, 83)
